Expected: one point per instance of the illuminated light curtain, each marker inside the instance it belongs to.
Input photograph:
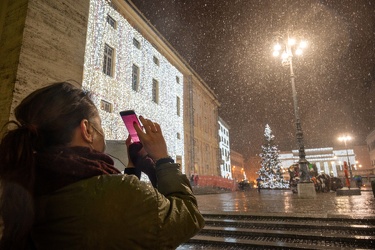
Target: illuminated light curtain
(326, 168)
(118, 91)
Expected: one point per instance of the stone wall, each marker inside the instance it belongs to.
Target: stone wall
(12, 22)
(41, 41)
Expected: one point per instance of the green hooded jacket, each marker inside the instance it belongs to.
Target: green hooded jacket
(119, 212)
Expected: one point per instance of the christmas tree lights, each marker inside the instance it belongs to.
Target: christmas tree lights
(270, 172)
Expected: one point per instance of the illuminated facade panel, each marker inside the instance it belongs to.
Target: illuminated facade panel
(237, 161)
(327, 160)
(224, 145)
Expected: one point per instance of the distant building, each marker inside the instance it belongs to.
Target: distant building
(370, 140)
(238, 168)
(254, 164)
(200, 127)
(225, 166)
(329, 160)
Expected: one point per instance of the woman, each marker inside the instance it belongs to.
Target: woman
(60, 191)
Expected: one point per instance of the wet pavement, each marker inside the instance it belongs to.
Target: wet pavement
(285, 203)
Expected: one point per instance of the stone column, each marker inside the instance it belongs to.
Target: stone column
(41, 42)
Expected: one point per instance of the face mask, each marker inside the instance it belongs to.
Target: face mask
(100, 133)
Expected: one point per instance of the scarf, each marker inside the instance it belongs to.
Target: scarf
(60, 167)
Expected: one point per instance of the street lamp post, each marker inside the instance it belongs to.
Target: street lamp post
(288, 50)
(345, 139)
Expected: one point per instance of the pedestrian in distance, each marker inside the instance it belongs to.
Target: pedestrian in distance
(61, 191)
(192, 180)
(196, 179)
(358, 181)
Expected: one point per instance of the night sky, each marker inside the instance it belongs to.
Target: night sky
(229, 43)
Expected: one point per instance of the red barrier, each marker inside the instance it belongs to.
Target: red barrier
(216, 181)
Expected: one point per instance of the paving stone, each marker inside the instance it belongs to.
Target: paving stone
(347, 191)
(285, 202)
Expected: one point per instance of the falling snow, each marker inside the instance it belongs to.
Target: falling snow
(229, 44)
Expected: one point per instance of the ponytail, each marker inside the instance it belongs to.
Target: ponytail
(17, 171)
(17, 151)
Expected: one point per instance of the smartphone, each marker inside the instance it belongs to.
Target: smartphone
(129, 117)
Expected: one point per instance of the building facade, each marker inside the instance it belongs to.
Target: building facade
(253, 164)
(124, 71)
(112, 49)
(34, 53)
(146, 74)
(238, 168)
(370, 140)
(224, 145)
(330, 160)
(201, 138)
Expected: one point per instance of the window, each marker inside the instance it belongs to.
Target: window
(106, 106)
(135, 77)
(136, 43)
(177, 79)
(178, 106)
(156, 60)
(111, 21)
(108, 58)
(155, 91)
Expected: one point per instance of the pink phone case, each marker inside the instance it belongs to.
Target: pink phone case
(129, 117)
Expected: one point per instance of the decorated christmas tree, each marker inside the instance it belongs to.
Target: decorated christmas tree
(270, 175)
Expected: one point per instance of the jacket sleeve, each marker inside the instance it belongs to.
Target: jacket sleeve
(147, 166)
(178, 210)
(142, 163)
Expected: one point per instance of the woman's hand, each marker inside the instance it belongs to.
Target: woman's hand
(152, 139)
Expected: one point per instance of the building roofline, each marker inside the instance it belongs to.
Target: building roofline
(223, 122)
(155, 37)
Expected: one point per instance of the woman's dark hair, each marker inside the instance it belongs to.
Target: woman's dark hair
(44, 119)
